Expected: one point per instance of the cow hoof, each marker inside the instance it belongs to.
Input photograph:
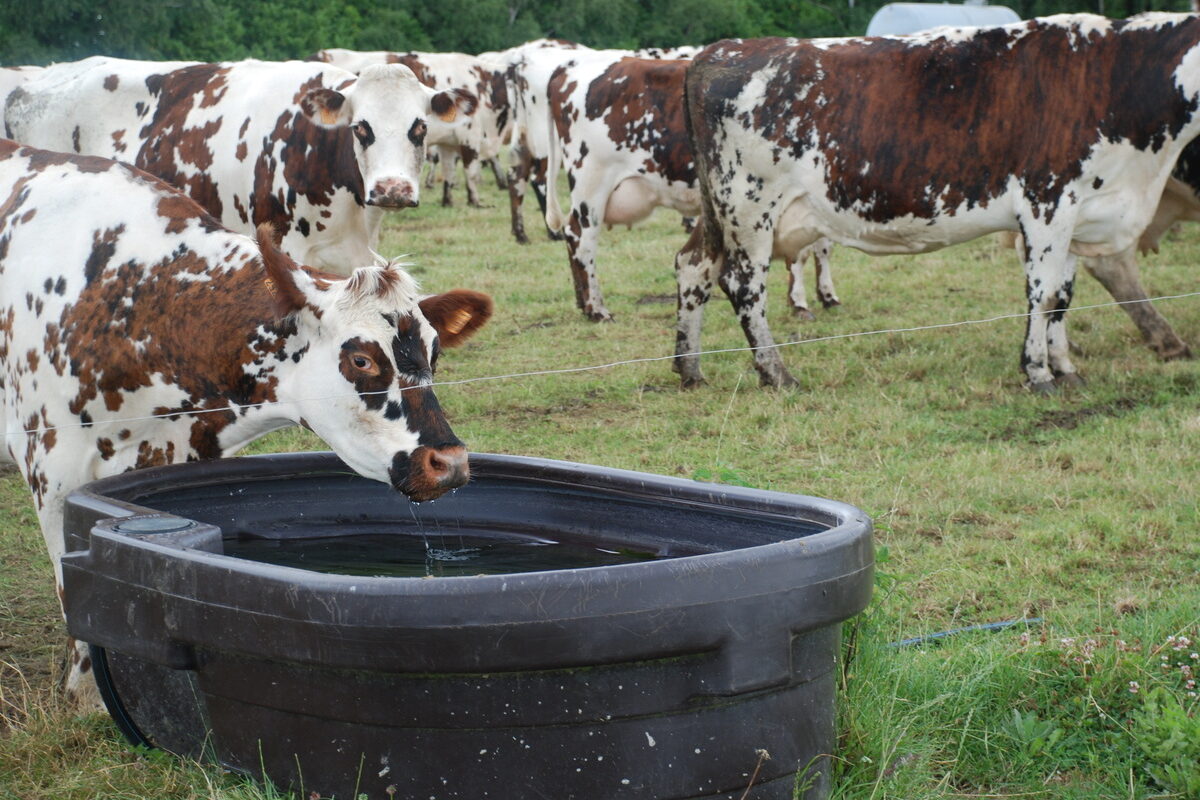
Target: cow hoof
(803, 314)
(830, 302)
(599, 316)
(1071, 380)
(782, 381)
(1175, 353)
(555, 237)
(687, 384)
(1043, 387)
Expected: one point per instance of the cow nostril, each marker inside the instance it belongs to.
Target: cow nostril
(438, 464)
(448, 466)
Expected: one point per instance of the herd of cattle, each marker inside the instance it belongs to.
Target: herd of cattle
(188, 251)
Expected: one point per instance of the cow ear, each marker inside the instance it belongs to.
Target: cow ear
(326, 108)
(457, 314)
(449, 104)
(282, 274)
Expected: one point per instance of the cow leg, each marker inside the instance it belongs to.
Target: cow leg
(744, 280)
(432, 159)
(79, 682)
(520, 165)
(470, 161)
(825, 291)
(797, 297)
(695, 272)
(1119, 275)
(449, 160)
(1049, 281)
(582, 235)
(497, 173)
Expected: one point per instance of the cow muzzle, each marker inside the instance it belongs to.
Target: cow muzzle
(393, 194)
(429, 472)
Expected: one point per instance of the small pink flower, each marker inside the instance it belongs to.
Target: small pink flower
(1133, 687)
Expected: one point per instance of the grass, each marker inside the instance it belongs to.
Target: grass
(991, 504)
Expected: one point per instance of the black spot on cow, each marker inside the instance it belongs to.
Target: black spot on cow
(1096, 184)
(416, 133)
(363, 132)
(302, 226)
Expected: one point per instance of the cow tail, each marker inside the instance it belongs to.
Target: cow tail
(554, 215)
(712, 239)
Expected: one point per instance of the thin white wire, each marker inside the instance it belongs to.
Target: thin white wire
(597, 367)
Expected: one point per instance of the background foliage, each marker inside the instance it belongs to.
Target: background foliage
(41, 31)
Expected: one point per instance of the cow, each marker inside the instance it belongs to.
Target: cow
(136, 331)
(528, 71)
(480, 138)
(619, 128)
(909, 144)
(310, 148)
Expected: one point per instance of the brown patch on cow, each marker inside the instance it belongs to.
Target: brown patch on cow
(118, 145)
(216, 88)
(240, 209)
(104, 244)
(959, 105)
(10, 208)
(105, 446)
(641, 100)
(241, 151)
(413, 62)
(41, 159)
(190, 334)
(151, 456)
(316, 163)
(562, 110)
(111, 83)
(167, 144)
(178, 210)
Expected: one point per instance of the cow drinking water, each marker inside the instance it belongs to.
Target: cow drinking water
(135, 331)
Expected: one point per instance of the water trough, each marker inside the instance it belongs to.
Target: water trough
(706, 632)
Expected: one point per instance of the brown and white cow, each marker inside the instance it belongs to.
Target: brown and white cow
(529, 68)
(310, 148)
(480, 138)
(136, 331)
(619, 129)
(909, 144)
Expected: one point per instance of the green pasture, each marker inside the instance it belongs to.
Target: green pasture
(990, 504)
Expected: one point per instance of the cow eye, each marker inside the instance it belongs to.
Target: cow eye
(362, 131)
(364, 363)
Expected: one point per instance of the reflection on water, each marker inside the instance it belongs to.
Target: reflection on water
(439, 556)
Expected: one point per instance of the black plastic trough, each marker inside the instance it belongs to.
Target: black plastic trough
(658, 679)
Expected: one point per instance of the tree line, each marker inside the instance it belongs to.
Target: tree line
(42, 31)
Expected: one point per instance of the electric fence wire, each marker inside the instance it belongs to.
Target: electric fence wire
(596, 367)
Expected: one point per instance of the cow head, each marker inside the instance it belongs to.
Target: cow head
(389, 112)
(370, 344)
